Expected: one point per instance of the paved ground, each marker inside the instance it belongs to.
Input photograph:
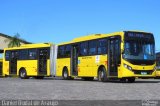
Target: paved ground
(15, 88)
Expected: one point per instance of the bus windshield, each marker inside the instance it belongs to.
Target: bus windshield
(139, 46)
(139, 50)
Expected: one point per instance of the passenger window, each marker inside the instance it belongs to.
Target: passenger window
(23, 54)
(67, 50)
(102, 46)
(32, 54)
(92, 47)
(61, 51)
(83, 48)
(7, 55)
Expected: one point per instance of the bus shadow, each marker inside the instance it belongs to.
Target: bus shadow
(76, 79)
(136, 81)
(110, 81)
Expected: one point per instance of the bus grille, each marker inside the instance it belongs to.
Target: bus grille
(148, 72)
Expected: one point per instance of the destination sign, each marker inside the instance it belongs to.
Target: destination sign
(138, 35)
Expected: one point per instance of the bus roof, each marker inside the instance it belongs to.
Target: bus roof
(96, 36)
(36, 45)
(91, 37)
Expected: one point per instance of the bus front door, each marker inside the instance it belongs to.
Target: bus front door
(113, 56)
(74, 60)
(13, 63)
(42, 61)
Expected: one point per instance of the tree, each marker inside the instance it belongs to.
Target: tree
(14, 41)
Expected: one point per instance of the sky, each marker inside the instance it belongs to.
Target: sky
(59, 21)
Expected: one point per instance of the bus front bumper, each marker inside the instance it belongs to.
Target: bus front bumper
(139, 73)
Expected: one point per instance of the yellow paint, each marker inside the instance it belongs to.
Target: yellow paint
(61, 63)
(29, 65)
(158, 73)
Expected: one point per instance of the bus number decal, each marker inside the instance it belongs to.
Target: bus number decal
(97, 59)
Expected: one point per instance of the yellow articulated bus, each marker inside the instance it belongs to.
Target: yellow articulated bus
(158, 65)
(122, 55)
(30, 60)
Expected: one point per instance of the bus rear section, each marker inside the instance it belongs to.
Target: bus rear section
(32, 60)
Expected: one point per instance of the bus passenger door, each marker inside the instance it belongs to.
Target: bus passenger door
(113, 56)
(42, 61)
(13, 63)
(74, 60)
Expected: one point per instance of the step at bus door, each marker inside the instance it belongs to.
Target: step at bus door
(113, 56)
(42, 61)
(13, 63)
(74, 60)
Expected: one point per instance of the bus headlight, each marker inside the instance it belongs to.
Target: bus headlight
(128, 67)
(125, 65)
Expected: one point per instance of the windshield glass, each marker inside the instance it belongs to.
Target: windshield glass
(139, 50)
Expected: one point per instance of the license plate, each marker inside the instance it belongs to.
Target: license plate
(143, 73)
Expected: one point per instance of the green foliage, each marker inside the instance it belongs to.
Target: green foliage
(14, 41)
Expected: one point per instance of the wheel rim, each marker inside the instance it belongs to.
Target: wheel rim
(65, 74)
(22, 74)
(102, 74)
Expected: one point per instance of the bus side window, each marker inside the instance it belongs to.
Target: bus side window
(23, 54)
(102, 46)
(61, 51)
(7, 55)
(68, 51)
(83, 49)
(32, 54)
(93, 47)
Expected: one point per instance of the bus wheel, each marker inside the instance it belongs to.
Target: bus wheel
(23, 74)
(102, 76)
(131, 80)
(65, 74)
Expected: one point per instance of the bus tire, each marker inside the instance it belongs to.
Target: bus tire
(65, 74)
(131, 80)
(23, 74)
(102, 76)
